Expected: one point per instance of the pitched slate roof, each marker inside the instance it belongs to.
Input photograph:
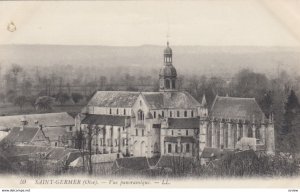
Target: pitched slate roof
(175, 161)
(45, 119)
(236, 108)
(92, 119)
(97, 158)
(183, 139)
(133, 163)
(209, 152)
(177, 99)
(25, 136)
(53, 133)
(121, 99)
(183, 123)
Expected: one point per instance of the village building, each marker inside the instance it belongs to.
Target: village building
(171, 122)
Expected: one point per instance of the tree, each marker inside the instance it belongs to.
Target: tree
(76, 97)
(291, 108)
(44, 103)
(62, 98)
(20, 101)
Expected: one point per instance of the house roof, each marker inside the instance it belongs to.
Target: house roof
(183, 139)
(171, 161)
(92, 119)
(177, 99)
(51, 153)
(22, 136)
(45, 119)
(97, 158)
(53, 133)
(133, 163)
(183, 123)
(236, 108)
(209, 152)
(121, 99)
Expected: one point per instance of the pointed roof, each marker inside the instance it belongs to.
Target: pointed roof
(203, 102)
(236, 108)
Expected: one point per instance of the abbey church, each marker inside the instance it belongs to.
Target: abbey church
(172, 122)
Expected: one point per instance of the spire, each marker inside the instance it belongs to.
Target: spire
(203, 103)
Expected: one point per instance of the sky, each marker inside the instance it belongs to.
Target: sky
(134, 23)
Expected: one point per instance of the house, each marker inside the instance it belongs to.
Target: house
(25, 135)
(59, 137)
(130, 166)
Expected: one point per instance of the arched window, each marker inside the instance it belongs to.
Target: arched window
(192, 113)
(187, 132)
(124, 112)
(167, 83)
(185, 113)
(110, 111)
(154, 114)
(171, 114)
(140, 115)
(178, 113)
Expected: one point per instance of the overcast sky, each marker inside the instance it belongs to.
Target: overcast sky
(130, 23)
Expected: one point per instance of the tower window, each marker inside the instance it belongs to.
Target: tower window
(163, 114)
(136, 132)
(171, 114)
(143, 132)
(167, 84)
(178, 114)
(185, 113)
(173, 84)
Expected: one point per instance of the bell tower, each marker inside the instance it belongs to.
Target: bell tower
(168, 74)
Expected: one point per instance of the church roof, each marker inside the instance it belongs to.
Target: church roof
(177, 99)
(236, 108)
(168, 71)
(183, 123)
(121, 99)
(104, 120)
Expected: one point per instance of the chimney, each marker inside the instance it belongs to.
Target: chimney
(23, 123)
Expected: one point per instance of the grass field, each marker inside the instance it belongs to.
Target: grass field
(10, 109)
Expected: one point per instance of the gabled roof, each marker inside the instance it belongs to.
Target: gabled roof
(236, 108)
(175, 100)
(209, 152)
(175, 161)
(16, 135)
(92, 119)
(121, 99)
(133, 163)
(183, 123)
(53, 133)
(45, 119)
(97, 158)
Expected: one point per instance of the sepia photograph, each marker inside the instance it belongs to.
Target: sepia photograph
(114, 94)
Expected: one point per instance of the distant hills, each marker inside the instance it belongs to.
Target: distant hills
(188, 60)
